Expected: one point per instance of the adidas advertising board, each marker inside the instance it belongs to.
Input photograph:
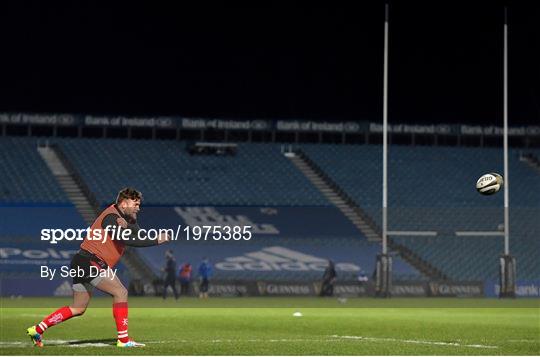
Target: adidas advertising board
(277, 258)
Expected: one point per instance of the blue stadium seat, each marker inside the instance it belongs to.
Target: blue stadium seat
(258, 175)
(433, 189)
(25, 177)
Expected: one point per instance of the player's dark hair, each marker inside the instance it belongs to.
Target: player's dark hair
(128, 193)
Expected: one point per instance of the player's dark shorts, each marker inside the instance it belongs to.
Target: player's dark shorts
(204, 285)
(86, 278)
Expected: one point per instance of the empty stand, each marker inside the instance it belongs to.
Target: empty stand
(166, 173)
(433, 189)
(25, 177)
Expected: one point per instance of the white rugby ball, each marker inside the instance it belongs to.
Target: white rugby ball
(489, 184)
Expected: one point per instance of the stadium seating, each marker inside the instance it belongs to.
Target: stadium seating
(25, 177)
(432, 189)
(167, 174)
(23, 250)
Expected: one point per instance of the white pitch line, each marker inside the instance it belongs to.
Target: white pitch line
(31, 315)
(71, 342)
(255, 340)
(12, 343)
(91, 344)
(66, 343)
(333, 338)
(78, 343)
(271, 340)
(418, 342)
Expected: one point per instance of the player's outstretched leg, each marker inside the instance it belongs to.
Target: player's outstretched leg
(80, 302)
(113, 286)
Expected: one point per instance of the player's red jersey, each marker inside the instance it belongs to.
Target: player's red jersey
(112, 250)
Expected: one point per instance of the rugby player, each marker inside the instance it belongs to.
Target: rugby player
(103, 253)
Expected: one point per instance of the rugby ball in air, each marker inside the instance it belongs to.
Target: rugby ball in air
(489, 184)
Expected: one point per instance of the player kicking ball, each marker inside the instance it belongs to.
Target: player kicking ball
(102, 253)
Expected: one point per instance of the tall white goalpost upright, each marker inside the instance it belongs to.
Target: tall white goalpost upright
(385, 137)
(383, 268)
(507, 262)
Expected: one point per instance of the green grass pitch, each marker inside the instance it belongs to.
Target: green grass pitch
(266, 326)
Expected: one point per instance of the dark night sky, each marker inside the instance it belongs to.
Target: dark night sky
(265, 59)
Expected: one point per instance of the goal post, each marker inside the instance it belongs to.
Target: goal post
(383, 276)
(507, 281)
(383, 269)
(507, 270)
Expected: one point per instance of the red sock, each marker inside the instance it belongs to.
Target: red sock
(60, 315)
(120, 313)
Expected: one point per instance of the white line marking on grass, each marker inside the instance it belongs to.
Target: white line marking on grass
(81, 343)
(32, 315)
(271, 340)
(72, 343)
(418, 342)
(65, 343)
(253, 340)
(169, 341)
(333, 338)
(92, 344)
(13, 344)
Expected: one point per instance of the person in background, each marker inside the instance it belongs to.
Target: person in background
(205, 272)
(329, 278)
(185, 278)
(170, 274)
